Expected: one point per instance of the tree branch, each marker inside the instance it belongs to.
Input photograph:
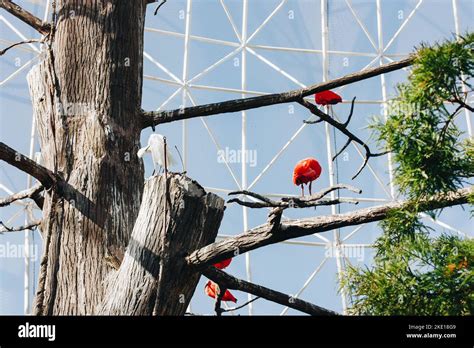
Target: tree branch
(33, 193)
(153, 118)
(295, 202)
(233, 283)
(221, 289)
(462, 103)
(16, 159)
(161, 4)
(2, 52)
(342, 127)
(241, 306)
(29, 226)
(267, 234)
(25, 16)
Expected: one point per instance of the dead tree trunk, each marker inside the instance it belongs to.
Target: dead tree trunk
(86, 95)
(154, 277)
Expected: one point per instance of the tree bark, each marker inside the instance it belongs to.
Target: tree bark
(25, 16)
(233, 283)
(154, 277)
(86, 94)
(268, 234)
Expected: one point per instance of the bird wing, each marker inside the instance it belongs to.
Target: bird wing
(156, 143)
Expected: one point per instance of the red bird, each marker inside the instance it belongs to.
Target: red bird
(327, 98)
(223, 264)
(211, 290)
(306, 171)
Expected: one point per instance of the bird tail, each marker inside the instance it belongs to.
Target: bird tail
(142, 151)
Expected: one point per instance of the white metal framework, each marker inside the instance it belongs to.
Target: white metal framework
(243, 45)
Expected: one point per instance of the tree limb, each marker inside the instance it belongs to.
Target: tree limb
(33, 193)
(29, 226)
(267, 234)
(295, 202)
(153, 118)
(241, 306)
(233, 283)
(342, 127)
(25, 16)
(161, 4)
(462, 103)
(2, 52)
(221, 289)
(22, 162)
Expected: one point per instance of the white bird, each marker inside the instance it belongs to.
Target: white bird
(155, 146)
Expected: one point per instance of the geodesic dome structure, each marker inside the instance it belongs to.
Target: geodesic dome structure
(200, 51)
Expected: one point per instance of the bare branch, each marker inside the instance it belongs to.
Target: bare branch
(158, 117)
(161, 4)
(295, 202)
(32, 192)
(22, 162)
(220, 294)
(2, 52)
(25, 16)
(349, 140)
(451, 117)
(32, 225)
(342, 127)
(233, 283)
(324, 192)
(267, 200)
(241, 306)
(267, 234)
(350, 113)
(459, 100)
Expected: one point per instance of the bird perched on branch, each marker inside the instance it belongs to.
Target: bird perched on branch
(306, 171)
(327, 98)
(156, 146)
(211, 290)
(223, 264)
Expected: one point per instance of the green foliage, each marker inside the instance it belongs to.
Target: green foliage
(420, 131)
(426, 277)
(437, 72)
(413, 273)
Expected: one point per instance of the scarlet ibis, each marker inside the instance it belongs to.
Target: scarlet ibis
(211, 291)
(451, 267)
(156, 148)
(306, 171)
(223, 264)
(327, 98)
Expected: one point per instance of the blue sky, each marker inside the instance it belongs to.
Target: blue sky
(283, 55)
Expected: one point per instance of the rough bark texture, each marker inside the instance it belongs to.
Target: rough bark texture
(34, 193)
(25, 16)
(267, 234)
(192, 220)
(86, 95)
